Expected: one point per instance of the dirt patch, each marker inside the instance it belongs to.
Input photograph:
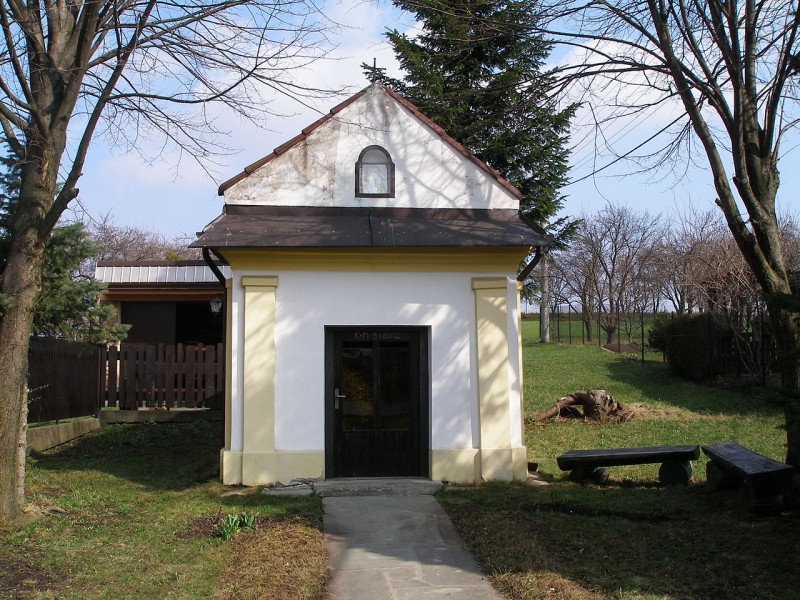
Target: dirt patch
(276, 560)
(623, 348)
(23, 578)
(200, 527)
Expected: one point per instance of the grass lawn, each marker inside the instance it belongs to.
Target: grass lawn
(129, 513)
(630, 538)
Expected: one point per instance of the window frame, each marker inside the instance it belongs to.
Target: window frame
(389, 174)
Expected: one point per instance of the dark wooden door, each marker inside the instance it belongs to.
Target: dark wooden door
(375, 406)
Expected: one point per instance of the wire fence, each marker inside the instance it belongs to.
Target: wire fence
(743, 348)
(624, 332)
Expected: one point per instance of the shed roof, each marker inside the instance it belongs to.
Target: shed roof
(303, 227)
(181, 273)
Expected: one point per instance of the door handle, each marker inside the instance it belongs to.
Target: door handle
(336, 397)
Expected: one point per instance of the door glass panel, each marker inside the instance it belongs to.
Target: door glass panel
(395, 386)
(358, 404)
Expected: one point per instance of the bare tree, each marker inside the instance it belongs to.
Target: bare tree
(128, 243)
(703, 270)
(682, 259)
(729, 71)
(606, 266)
(130, 69)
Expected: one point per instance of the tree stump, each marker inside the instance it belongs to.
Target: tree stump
(596, 405)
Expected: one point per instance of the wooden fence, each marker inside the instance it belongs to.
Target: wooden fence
(63, 380)
(140, 375)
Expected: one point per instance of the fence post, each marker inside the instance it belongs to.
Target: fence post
(558, 323)
(642, 324)
(599, 341)
(583, 325)
(170, 376)
(112, 387)
(762, 348)
(100, 377)
(569, 322)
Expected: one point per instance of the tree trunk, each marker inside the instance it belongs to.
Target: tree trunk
(21, 283)
(786, 328)
(610, 329)
(587, 302)
(544, 313)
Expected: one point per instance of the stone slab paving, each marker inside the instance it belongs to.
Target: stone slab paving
(398, 548)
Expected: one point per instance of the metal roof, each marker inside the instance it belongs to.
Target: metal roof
(166, 273)
(309, 227)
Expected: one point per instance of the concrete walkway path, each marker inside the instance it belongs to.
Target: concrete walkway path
(399, 548)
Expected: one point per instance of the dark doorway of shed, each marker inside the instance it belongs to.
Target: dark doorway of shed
(172, 322)
(377, 402)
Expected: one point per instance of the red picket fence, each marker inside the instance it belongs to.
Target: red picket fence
(147, 376)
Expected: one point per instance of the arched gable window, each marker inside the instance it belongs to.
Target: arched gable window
(374, 173)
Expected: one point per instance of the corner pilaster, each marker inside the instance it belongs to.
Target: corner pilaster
(499, 458)
(258, 389)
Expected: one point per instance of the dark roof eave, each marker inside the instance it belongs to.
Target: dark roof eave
(310, 227)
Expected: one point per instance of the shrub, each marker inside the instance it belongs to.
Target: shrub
(691, 342)
(657, 337)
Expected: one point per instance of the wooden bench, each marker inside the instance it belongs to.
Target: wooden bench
(761, 480)
(676, 465)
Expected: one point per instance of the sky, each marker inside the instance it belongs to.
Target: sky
(169, 193)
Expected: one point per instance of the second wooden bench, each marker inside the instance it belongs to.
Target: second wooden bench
(762, 479)
(676, 465)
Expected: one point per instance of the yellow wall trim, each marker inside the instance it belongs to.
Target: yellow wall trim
(492, 362)
(489, 283)
(457, 465)
(252, 281)
(424, 260)
(258, 391)
(475, 465)
(460, 465)
(262, 468)
(230, 467)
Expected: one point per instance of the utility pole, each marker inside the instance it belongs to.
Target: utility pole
(544, 313)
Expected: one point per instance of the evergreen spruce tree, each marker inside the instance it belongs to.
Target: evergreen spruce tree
(9, 191)
(67, 305)
(476, 71)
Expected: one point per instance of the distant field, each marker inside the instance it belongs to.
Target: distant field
(569, 329)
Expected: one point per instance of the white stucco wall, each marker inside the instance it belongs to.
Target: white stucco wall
(309, 301)
(429, 173)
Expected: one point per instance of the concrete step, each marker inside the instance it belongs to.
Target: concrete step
(368, 486)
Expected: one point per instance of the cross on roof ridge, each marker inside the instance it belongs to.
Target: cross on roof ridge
(375, 72)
